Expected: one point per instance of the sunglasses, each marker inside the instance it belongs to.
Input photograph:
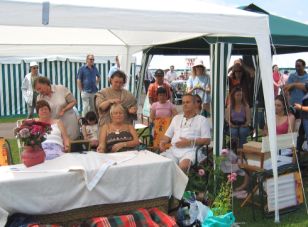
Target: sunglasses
(91, 59)
(34, 67)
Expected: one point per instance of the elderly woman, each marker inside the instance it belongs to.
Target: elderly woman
(61, 101)
(57, 142)
(199, 84)
(105, 98)
(117, 135)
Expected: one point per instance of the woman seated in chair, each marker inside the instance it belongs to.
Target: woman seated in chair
(285, 121)
(117, 135)
(57, 142)
(238, 116)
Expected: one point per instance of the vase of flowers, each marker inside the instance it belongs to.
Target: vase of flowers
(32, 133)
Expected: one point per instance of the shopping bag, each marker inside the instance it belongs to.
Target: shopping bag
(225, 220)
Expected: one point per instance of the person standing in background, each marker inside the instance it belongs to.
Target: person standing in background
(171, 74)
(277, 79)
(300, 76)
(114, 68)
(148, 79)
(87, 79)
(159, 82)
(28, 91)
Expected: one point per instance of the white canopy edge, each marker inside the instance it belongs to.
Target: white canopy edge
(130, 21)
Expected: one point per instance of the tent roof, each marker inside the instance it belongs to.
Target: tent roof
(291, 40)
(109, 27)
(284, 31)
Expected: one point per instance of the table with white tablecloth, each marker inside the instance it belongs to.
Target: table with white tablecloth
(77, 180)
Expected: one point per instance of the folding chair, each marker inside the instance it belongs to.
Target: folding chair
(20, 145)
(256, 154)
(5, 152)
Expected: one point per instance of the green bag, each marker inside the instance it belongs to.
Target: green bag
(225, 220)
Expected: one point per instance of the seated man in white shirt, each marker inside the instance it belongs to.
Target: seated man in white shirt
(186, 132)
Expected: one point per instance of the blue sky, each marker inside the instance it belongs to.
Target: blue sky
(292, 9)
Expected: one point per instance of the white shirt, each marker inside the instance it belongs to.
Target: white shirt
(192, 128)
(27, 88)
(171, 76)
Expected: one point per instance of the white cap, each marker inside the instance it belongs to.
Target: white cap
(33, 63)
(198, 62)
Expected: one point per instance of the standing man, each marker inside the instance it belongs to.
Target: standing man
(115, 67)
(159, 82)
(28, 91)
(300, 76)
(171, 74)
(87, 79)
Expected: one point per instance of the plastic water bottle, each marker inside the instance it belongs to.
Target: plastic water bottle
(193, 212)
(186, 220)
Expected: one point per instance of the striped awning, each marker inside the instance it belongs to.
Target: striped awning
(58, 71)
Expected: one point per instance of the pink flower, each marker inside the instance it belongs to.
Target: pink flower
(37, 129)
(24, 133)
(224, 152)
(201, 172)
(232, 177)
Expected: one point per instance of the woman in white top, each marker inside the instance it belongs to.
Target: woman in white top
(57, 142)
(200, 84)
(61, 101)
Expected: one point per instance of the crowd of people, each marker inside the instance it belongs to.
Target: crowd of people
(108, 114)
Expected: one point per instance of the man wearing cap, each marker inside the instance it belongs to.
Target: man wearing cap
(87, 79)
(27, 88)
(159, 82)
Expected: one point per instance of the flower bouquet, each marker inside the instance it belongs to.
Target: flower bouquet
(31, 134)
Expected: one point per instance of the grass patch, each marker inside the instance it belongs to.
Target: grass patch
(14, 150)
(10, 119)
(244, 215)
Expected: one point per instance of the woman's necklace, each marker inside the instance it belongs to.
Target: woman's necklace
(116, 130)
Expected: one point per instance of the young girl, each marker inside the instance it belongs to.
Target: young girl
(90, 128)
(162, 108)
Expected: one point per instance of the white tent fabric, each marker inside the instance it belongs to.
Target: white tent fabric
(124, 27)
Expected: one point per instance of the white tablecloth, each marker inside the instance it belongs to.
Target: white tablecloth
(63, 183)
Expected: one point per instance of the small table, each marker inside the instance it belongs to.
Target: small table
(62, 184)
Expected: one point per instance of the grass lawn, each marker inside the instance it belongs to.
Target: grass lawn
(244, 215)
(14, 150)
(10, 119)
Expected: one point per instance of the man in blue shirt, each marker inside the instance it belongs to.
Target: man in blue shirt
(115, 67)
(87, 79)
(300, 76)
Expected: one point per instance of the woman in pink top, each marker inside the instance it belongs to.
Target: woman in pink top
(277, 79)
(284, 121)
(162, 108)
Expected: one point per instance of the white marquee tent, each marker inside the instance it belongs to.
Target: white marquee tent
(121, 27)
